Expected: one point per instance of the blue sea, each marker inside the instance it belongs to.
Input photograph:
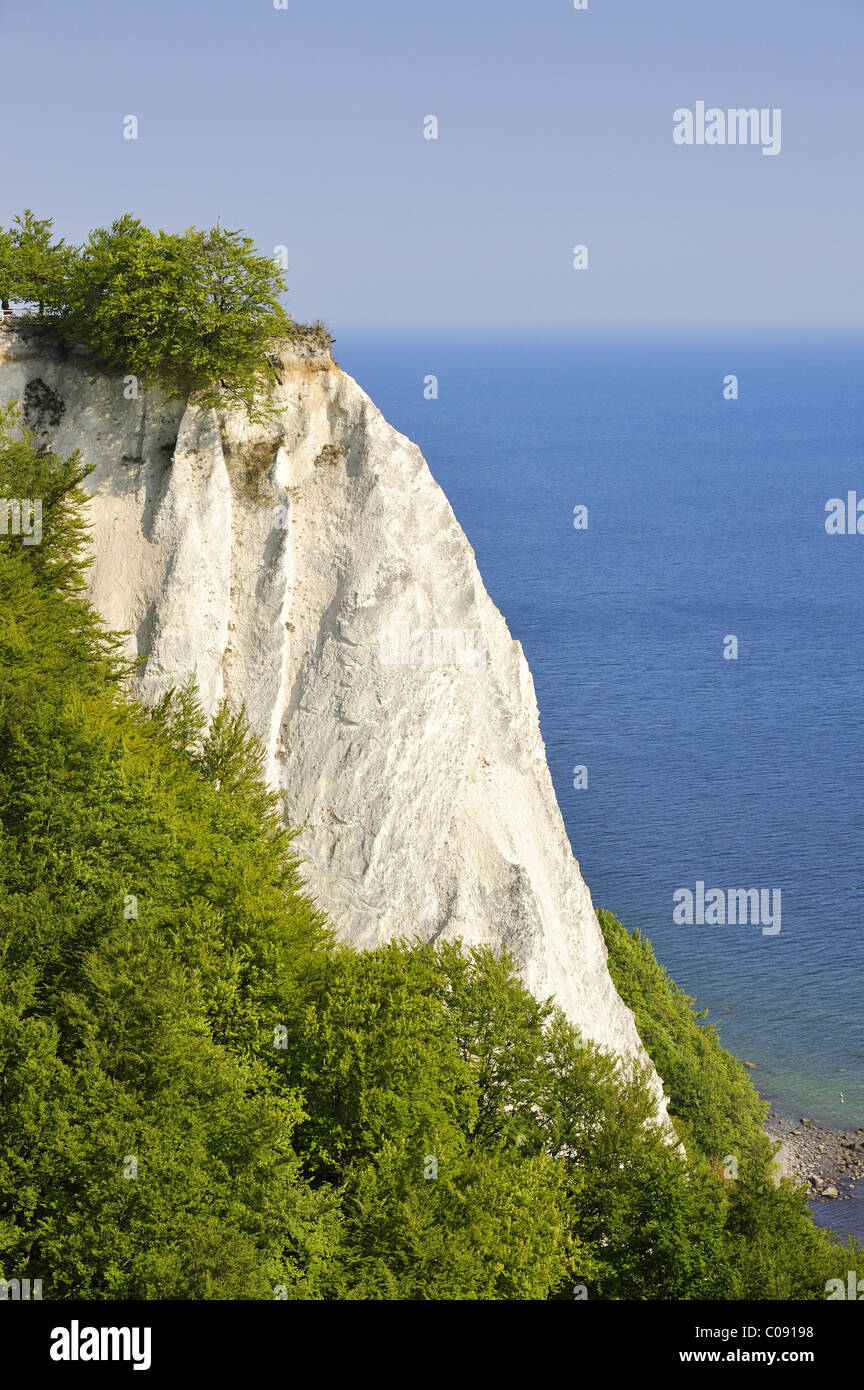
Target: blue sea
(706, 519)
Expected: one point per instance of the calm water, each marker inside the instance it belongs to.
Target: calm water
(706, 517)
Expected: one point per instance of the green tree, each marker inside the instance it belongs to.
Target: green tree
(34, 268)
(197, 312)
(778, 1251)
(407, 1117)
(234, 316)
(489, 1226)
(712, 1100)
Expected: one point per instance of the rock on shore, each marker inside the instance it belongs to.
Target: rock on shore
(829, 1162)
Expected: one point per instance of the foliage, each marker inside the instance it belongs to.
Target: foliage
(439, 1203)
(33, 267)
(712, 1100)
(197, 312)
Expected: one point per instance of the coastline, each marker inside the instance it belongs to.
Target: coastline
(828, 1161)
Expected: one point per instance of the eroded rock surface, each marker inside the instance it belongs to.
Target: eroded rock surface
(313, 568)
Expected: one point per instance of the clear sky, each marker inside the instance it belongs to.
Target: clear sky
(304, 126)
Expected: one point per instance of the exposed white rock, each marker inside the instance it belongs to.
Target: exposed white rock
(313, 568)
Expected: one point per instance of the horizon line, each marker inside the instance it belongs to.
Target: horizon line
(560, 326)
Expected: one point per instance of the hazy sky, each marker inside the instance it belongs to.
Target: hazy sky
(304, 126)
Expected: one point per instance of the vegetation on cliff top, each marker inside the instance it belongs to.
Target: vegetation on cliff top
(197, 311)
(204, 1095)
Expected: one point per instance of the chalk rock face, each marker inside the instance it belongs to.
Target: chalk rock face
(313, 568)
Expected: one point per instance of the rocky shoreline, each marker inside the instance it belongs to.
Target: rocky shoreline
(828, 1161)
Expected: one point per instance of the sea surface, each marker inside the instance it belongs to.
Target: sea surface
(706, 520)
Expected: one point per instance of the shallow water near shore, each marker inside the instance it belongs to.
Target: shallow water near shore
(706, 518)
(844, 1218)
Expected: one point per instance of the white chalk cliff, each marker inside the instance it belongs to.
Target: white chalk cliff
(313, 568)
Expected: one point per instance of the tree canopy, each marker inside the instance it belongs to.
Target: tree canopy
(33, 266)
(197, 311)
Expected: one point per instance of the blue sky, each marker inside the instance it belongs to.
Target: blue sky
(304, 126)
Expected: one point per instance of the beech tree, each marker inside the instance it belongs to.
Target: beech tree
(197, 312)
(33, 267)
